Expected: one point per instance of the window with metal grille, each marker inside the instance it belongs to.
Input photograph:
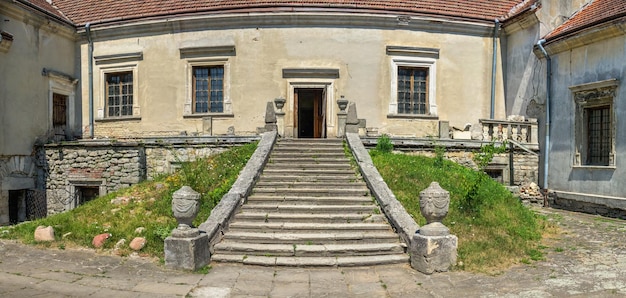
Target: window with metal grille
(413, 90)
(119, 88)
(208, 89)
(598, 135)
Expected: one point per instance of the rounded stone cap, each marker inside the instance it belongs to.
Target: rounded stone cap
(186, 193)
(434, 189)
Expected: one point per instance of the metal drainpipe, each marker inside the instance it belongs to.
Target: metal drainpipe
(496, 27)
(90, 61)
(548, 88)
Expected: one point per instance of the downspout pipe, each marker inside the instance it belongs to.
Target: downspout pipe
(494, 62)
(90, 61)
(548, 91)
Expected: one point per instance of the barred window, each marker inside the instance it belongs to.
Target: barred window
(119, 88)
(413, 90)
(598, 135)
(208, 89)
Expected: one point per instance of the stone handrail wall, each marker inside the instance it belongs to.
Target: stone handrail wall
(399, 218)
(524, 132)
(222, 213)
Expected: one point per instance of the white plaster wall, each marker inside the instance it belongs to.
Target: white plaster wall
(463, 77)
(596, 62)
(37, 44)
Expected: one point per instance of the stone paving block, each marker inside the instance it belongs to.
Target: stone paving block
(189, 279)
(292, 275)
(163, 288)
(360, 275)
(60, 276)
(221, 276)
(252, 287)
(261, 274)
(108, 293)
(290, 289)
(63, 288)
(212, 292)
(103, 282)
(369, 289)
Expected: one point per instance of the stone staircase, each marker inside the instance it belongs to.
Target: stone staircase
(309, 208)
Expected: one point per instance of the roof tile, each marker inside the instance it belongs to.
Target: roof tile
(595, 12)
(95, 11)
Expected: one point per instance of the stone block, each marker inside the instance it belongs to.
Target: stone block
(187, 253)
(44, 233)
(431, 254)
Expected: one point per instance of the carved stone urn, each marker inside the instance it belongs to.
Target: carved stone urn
(342, 103)
(434, 204)
(280, 103)
(185, 206)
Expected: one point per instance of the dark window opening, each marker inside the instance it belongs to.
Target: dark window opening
(208, 89)
(85, 194)
(413, 90)
(598, 135)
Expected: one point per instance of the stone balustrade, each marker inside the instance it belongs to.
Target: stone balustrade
(525, 132)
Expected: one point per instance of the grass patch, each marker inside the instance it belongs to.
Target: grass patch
(149, 205)
(495, 230)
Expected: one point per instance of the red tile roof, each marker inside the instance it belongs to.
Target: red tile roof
(96, 11)
(46, 7)
(594, 13)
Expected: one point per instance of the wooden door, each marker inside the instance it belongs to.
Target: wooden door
(59, 116)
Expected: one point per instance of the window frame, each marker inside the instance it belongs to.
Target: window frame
(102, 111)
(588, 97)
(428, 64)
(107, 105)
(194, 80)
(189, 108)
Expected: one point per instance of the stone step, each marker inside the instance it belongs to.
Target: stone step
(310, 209)
(321, 237)
(307, 160)
(308, 140)
(350, 261)
(309, 178)
(271, 217)
(306, 172)
(308, 200)
(311, 166)
(314, 155)
(317, 184)
(307, 227)
(308, 250)
(308, 149)
(311, 192)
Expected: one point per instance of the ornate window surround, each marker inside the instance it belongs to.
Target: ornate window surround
(413, 57)
(212, 55)
(586, 96)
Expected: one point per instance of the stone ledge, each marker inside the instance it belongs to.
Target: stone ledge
(589, 203)
(399, 218)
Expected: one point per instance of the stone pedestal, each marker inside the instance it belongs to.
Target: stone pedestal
(431, 254)
(280, 123)
(432, 248)
(341, 124)
(187, 250)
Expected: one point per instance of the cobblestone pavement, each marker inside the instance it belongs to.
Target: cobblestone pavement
(587, 260)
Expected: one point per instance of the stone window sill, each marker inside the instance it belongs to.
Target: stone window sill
(583, 167)
(412, 116)
(214, 115)
(113, 119)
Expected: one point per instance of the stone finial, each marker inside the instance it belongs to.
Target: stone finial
(270, 114)
(434, 204)
(352, 116)
(185, 206)
(280, 103)
(342, 103)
